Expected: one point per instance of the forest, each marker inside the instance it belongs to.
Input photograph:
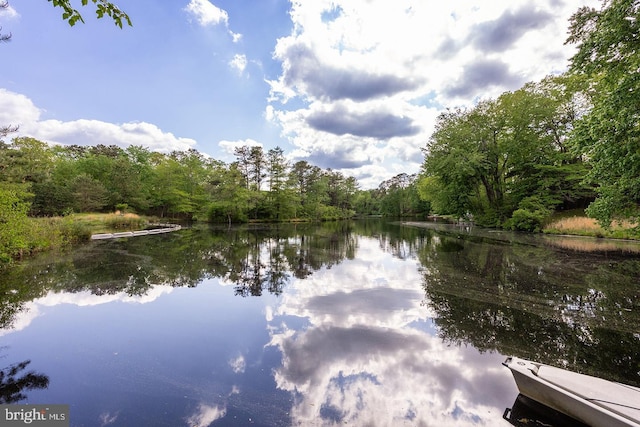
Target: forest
(182, 185)
(568, 141)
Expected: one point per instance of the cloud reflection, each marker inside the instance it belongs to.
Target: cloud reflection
(238, 364)
(360, 361)
(107, 418)
(205, 415)
(32, 309)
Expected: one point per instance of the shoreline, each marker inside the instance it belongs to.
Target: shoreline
(165, 228)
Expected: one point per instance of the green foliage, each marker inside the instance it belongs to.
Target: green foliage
(366, 203)
(609, 134)
(103, 7)
(184, 184)
(399, 197)
(25, 160)
(531, 215)
(229, 195)
(21, 235)
(74, 231)
(14, 224)
(279, 190)
(488, 159)
(89, 194)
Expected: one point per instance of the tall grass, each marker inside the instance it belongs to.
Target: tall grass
(125, 222)
(106, 223)
(583, 226)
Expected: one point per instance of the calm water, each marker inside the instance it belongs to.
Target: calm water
(363, 323)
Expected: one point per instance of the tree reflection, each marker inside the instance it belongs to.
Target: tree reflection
(535, 303)
(14, 382)
(254, 258)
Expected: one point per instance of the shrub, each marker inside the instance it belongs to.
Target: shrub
(125, 222)
(526, 220)
(530, 215)
(74, 231)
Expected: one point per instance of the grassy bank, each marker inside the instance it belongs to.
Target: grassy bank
(111, 222)
(33, 235)
(583, 226)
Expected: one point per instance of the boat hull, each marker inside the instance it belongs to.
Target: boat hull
(591, 400)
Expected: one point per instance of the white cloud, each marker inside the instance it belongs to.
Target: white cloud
(239, 63)
(357, 138)
(207, 13)
(386, 68)
(230, 146)
(17, 109)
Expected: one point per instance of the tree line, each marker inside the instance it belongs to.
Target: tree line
(184, 185)
(567, 141)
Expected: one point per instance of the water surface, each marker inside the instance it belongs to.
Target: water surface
(362, 323)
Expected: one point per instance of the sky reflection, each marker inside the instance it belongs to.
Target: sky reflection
(360, 361)
(34, 308)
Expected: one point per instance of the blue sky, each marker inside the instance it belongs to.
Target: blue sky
(352, 85)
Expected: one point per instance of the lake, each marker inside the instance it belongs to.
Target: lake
(364, 323)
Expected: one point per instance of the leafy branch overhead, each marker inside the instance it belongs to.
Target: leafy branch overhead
(103, 7)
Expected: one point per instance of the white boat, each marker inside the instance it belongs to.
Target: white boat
(593, 401)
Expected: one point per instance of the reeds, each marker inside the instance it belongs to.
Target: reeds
(584, 226)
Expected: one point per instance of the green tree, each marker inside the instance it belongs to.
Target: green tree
(540, 119)
(25, 160)
(14, 223)
(367, 202)
(308, 190)
(179, 186)
(243, 160)
(488, 159)
(609, 135)
(280, 204)
(457, 161)
(257, 173)
(399, 197)
(252, 164)
(89, 194)
(229, 196)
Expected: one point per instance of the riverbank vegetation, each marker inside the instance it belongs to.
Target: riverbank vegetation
(584, 226)
(568, 141)
(43, 181)
(22, 235)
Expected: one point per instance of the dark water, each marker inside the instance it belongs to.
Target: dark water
(363, 323)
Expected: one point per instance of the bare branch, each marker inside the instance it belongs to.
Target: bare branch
(6, 130)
